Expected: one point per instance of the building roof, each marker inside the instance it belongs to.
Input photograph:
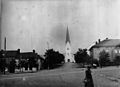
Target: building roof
(17, 54)
(107, 43)
(10, 53)
(30, 55)
(27, 54)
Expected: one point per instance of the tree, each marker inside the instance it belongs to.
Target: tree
(52, 58)
(104, 58)
(81, 56)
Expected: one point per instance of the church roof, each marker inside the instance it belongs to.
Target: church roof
(67, 36)
(107, 43)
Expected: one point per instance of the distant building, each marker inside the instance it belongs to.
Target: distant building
(8, 55)
(32, 56)
(28, 55)
(68, 55)
(111, 46)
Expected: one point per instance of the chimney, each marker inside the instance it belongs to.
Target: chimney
(33, 51)
(99, 41)
(96, 42)
(2, 51)
(106, 38)
(18, 50)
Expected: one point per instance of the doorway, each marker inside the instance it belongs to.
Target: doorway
(68, 60)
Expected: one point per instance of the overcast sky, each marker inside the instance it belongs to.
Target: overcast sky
(31, 24)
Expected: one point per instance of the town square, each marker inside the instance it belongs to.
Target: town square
(59, 43)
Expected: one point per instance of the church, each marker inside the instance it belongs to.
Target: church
(68, 55)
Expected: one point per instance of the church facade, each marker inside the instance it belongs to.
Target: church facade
(68, 55)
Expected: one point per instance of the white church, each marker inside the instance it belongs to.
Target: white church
(68, 55)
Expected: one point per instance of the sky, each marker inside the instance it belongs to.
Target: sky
(42, 24)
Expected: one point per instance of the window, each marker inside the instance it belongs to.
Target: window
(67, 48)
(107, 50)
(115, 51)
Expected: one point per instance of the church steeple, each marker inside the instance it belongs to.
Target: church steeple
(68, 54)
(67, 36)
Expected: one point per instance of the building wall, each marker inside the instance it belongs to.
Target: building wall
(113, 51)
(68, 54)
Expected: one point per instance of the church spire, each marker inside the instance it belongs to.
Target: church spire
(67, 36)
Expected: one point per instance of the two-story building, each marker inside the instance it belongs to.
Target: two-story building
(9, 55)
(111, 46)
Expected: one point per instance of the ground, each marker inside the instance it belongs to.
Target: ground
(62, 77)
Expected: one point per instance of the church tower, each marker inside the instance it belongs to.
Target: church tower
(68, 55)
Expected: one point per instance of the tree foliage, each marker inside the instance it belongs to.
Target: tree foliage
(52, 58)
(81, 56)
(104, 58)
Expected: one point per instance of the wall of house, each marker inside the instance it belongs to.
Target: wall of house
(113, 51)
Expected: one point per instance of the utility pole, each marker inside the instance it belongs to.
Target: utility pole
(5, 44)
(47, 55)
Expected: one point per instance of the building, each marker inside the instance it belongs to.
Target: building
(32, 56)
(28, 55)
(7, 60)
(68, 55)
(8, 55)
(111, 46)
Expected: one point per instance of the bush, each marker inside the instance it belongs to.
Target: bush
(52, 59)
(81, 56)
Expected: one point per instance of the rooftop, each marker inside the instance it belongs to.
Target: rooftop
(107, 43)
(11, 53)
